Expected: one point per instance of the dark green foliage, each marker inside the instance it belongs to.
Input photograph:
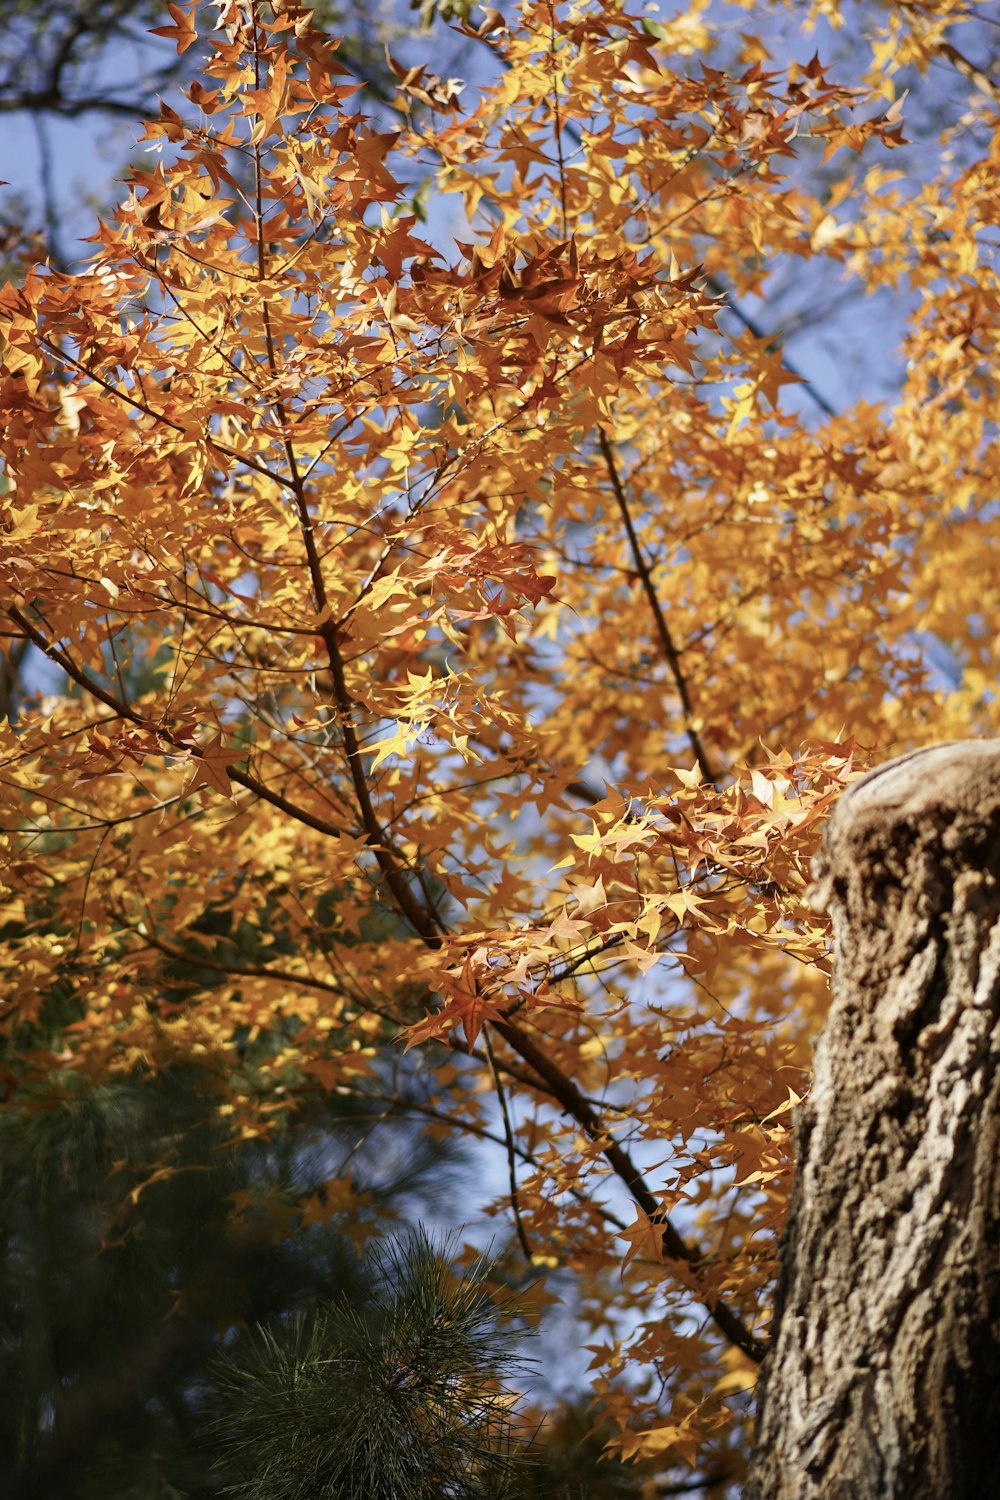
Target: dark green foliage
(172, 1329)
(400, 1395)
(118, 1287)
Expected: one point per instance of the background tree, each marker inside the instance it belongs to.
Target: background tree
(401, 1395)
(139, 1240)
(495, 583)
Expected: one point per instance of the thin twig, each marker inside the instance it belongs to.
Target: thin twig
(759, 332)
(83, 679)
(557, 120)
(977, 76)
(670, 651)
(515, 1202)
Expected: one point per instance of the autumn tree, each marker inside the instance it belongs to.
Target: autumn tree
(508, 627)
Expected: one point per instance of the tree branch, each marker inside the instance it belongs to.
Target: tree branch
(568, 1095)
(123, 710)
(670, 651)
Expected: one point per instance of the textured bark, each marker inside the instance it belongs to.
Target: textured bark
(883, 1380)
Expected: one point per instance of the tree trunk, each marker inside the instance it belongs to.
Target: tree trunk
(883, 1381)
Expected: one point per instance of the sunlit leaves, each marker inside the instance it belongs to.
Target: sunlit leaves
(455, 641)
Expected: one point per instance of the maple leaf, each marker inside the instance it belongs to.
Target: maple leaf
(183, 30)
(470, 1010)
(211, 767)
(770, 374)
(644, 1238)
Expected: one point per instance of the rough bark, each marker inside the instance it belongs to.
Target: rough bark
(883, 1380)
